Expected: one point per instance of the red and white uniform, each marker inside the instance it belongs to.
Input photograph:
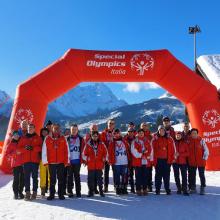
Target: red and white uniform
(198, 152)
(118, 152)
(95, 155)
(55, 150)
(141, 151)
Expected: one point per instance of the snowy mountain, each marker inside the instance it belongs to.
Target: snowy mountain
(167, 95)
(149, 111)
(87, 100)
(97, 104)
(5, 104)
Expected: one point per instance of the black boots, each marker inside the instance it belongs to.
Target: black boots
(50, 197)
(20, 195)
(61, 197)
(90, 193)
(70, 194)
(15, 196)
(118, 191)
(202, 190)
(27, 196)
(168, 192)
(101, 193)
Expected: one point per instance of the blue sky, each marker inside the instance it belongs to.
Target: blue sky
(35, 33)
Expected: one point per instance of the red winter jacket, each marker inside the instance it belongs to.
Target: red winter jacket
(12, 153)
(95, 160)
(111, 151)
(33, 155)
(141, 150)
(164, 148)
(55, 150)
(182, 148)
(198, 152)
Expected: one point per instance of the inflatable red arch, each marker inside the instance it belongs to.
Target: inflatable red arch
(161, 67)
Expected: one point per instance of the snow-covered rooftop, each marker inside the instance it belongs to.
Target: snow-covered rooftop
(210, 66)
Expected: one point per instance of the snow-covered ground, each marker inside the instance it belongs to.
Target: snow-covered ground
(115, 207)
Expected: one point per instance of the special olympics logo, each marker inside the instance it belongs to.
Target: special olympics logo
(142, 62)
(211, 118)
(24, 114)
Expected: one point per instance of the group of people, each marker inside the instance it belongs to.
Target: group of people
(132, 157)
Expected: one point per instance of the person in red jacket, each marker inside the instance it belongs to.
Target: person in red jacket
(141, 151)
(186, 135)
(164, 155)
(107, 137)
(148, 136)
(16, 163)
(118, 157)
(95, 155)
(129, 137)
(180, 164)
(30, 146)
(87, 138)
(198, 154)
(55, 153)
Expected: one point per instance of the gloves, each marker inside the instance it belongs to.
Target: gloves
(28, 147)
